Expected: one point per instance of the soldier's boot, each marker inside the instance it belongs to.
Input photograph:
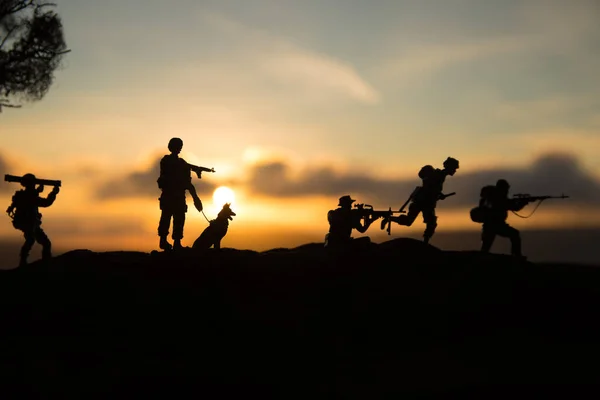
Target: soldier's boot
(46, 253)
(164, 244)
(429, 230)
(23, 258)
(46, 248)
(177, 244)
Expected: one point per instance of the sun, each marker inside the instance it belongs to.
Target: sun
(223, 195)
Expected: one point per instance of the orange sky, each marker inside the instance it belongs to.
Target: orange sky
(294, 110)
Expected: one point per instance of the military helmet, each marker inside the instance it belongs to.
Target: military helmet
(346, 200)
(502, 183)
(451, 163)
(175, 143)
(28, 180)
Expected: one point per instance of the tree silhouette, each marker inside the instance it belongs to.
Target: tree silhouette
(31, 48)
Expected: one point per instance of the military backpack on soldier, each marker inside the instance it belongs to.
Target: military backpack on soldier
(479, 214)
(426, 171)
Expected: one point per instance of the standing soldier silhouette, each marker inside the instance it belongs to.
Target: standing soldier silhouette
(342, 221)
(424, 198)
(26, 217)
(494, 205)
(175, 178)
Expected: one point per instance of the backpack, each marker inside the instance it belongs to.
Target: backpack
(426, 171)
(480, 213)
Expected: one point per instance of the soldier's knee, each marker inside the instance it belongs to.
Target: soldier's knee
(431, 223)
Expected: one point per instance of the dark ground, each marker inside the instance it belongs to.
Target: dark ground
(403, 319)
(545, 245)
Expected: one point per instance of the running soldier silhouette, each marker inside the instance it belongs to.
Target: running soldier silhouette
(342, 221)
(424, 198)
(175, 178)
(24, 211)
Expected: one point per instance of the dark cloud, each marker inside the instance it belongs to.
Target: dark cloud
(142, 184)
(551, 174)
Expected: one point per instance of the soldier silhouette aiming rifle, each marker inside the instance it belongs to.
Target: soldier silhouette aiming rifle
(492, 212)
(343, 220)
(25, 215)
(175, 178)
(425, 197)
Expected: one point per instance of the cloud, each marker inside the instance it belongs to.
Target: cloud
(420, 62)
(311, 72)
(141, 184)
(550, 174)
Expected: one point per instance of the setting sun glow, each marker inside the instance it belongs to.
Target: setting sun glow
(223, 195)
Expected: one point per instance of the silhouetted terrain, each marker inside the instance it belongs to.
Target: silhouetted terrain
(547, 245)
(403, 318)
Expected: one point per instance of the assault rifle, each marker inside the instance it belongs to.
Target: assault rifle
(366, 210)
(200, 170)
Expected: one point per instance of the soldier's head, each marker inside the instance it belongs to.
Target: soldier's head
(346, 201)
(28, 181)
(502, 186)
(451, 165)
(175, 145)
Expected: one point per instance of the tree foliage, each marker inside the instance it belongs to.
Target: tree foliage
(32, 46)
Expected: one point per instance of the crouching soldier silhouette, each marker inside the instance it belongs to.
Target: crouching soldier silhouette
(492, 212)
(175, 178)
(342, 221)
(24, 211)
(425, 197)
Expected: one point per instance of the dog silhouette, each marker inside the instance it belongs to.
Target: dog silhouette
(216, 230)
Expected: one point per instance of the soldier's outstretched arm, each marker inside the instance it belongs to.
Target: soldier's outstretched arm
(198, 170)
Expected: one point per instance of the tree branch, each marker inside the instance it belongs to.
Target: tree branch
(3, 103)
(11, 30)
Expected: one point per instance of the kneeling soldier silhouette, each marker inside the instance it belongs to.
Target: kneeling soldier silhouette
(343, 220)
